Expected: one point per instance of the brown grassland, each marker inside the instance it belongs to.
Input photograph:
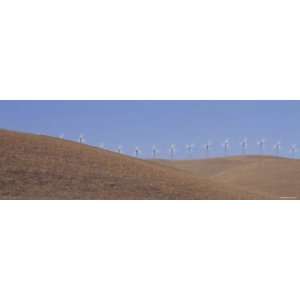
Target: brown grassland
(42, 167)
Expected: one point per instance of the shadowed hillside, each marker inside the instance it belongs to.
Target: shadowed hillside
(262, 174)
(41, 167)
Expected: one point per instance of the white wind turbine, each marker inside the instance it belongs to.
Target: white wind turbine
(120, 147)
(261, 144)
(137, 152)
(62, 136)
(277, 148)
(244, 145)
(293, 150)
(172, 150)
(190, 148)
(81, 139)
(207, 148)
(226, 146)
(154, 151)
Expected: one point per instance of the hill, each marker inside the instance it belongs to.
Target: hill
(261, 174)
(42, 167)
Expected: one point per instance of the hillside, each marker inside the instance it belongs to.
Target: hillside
(41, 167)
(261, 174)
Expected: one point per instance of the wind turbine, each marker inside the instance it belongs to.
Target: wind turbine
(207, 147)
(62, 136)
(120, 149)
(293, 150)
(277, 148)
(137, 152)
(81, 139)
(226, 145)
(154, 151)
(190, 148)
(244, 145)
(172, 150)
(261, 144)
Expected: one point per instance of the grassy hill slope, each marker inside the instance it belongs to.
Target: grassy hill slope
(41, 167)
(276, 176)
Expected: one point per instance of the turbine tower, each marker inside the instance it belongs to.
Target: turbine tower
(172, 151)
(207, 147)
(154, 151)
(120, 149)
(62, 136)
(81, 139)
(261, 144)
(226, 147)
(293, 150)
(244, 145)
(277, 148)
(137, 152)
(190, 148)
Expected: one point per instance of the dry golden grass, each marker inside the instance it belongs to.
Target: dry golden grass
(276, 176)
(41, 167)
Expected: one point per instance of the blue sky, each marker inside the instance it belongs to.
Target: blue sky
(144, 123)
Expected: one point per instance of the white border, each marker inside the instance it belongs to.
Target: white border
(149, 250)
(161, 49)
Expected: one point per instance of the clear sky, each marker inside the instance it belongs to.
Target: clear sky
(144, 123)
